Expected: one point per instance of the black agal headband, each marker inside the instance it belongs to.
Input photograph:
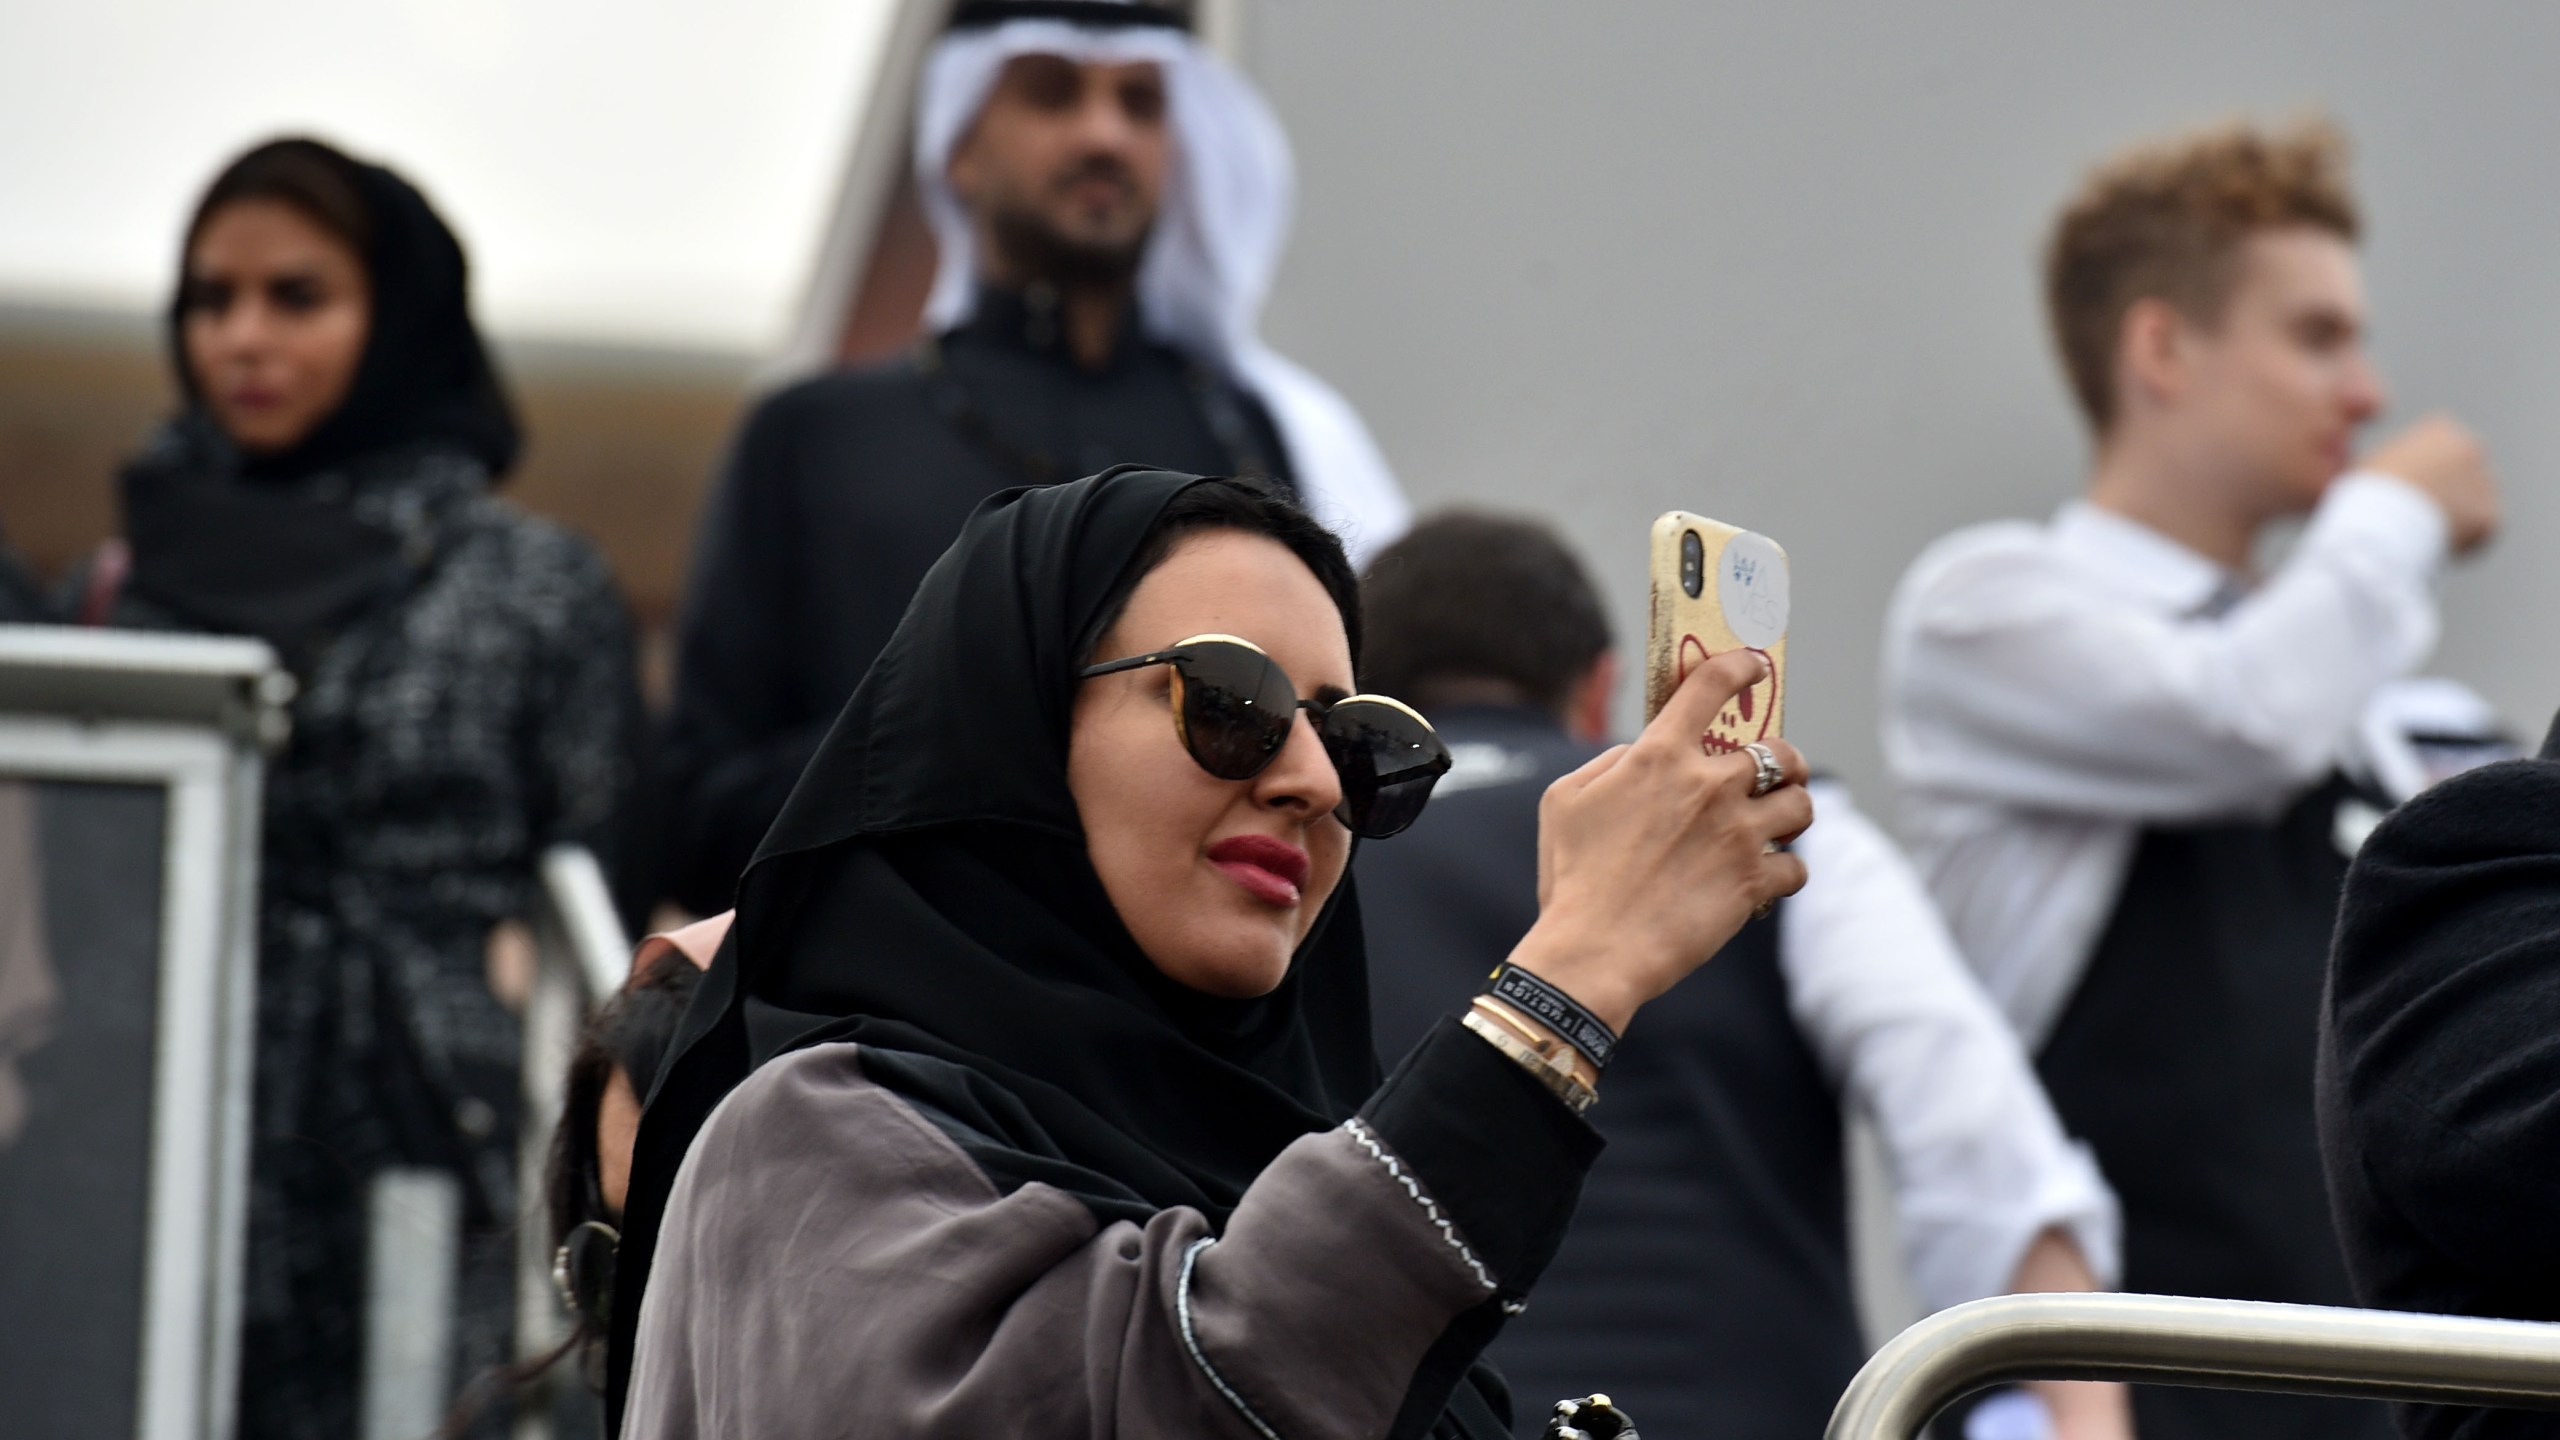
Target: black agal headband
(1115, 14)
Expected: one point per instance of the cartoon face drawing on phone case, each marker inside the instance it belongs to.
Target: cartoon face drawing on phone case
(1717, 587)
(1751, 715)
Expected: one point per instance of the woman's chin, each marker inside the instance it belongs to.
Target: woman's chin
(262, 436)
(1242, 971)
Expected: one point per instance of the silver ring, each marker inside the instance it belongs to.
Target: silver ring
(1771, 774)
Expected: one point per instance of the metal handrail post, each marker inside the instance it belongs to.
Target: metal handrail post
(577, 900)
(2174, 1340)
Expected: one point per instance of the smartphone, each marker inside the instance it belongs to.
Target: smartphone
(1718, 587)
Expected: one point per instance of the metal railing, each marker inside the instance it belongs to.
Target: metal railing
(2218, 1344)
(91, 721)
(579, 924)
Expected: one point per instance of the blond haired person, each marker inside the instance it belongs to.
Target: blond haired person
(2126, 754)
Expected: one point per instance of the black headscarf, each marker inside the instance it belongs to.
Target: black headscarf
(926, 893)
(273, 544)
(425, 376)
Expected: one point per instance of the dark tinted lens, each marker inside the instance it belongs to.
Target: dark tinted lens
(1236, 708)
(1388, 761)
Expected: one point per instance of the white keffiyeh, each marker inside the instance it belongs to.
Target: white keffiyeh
(1210, 262)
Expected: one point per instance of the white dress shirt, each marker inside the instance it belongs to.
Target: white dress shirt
(1980, 1163)
(2052, 689)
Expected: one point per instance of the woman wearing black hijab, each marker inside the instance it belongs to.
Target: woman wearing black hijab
(466, 699)
(1046, 1103)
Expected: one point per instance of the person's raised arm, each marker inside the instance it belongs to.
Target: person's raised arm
(2016, 681)
(1653, 855)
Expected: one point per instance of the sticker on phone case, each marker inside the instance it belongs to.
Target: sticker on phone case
(1751, 586)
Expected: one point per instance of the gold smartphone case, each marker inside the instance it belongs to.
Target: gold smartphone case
(1717, 587)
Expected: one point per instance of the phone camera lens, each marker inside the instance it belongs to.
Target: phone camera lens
(1693, 563)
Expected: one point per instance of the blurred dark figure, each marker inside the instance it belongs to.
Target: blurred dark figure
(2440, 1064)
(1705, 1282)
(467, 699)
(1109, 201)
(22, 600)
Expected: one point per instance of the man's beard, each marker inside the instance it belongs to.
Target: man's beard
(1035, 250)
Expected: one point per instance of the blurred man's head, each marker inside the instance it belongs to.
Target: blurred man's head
(1471, 608)
(1063, 170)
(2206, 299)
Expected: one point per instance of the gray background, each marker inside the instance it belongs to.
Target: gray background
(1776, 263)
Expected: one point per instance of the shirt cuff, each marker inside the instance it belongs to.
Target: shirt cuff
(1499, 1152)
(1963, 1249)
(2384, 516)
(2085, 1206)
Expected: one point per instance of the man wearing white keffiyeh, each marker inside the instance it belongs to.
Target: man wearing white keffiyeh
(1109, 201)
(1223, 220)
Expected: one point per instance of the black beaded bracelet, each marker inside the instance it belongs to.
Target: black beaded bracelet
(1555, 1009)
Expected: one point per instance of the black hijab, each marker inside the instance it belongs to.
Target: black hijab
(425, 376)
(926, 892)
(278, 544)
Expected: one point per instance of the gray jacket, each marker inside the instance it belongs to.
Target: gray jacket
(833, 1264)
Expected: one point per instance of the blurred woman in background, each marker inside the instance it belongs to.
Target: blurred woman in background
(467, 698)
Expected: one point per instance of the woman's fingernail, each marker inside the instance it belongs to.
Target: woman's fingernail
(1764, 663)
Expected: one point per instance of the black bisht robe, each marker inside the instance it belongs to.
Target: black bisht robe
(842, 490)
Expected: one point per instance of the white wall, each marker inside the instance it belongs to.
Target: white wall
(1776, 263)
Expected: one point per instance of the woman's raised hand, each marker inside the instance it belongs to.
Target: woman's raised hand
(1651, 856)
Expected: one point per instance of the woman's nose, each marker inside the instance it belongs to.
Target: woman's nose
(244, 328)
(1301, 776)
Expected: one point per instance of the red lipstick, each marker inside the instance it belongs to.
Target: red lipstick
(1271, 871)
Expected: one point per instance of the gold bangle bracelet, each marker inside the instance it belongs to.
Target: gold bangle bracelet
(1551, 1047)
(1577, 1096)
